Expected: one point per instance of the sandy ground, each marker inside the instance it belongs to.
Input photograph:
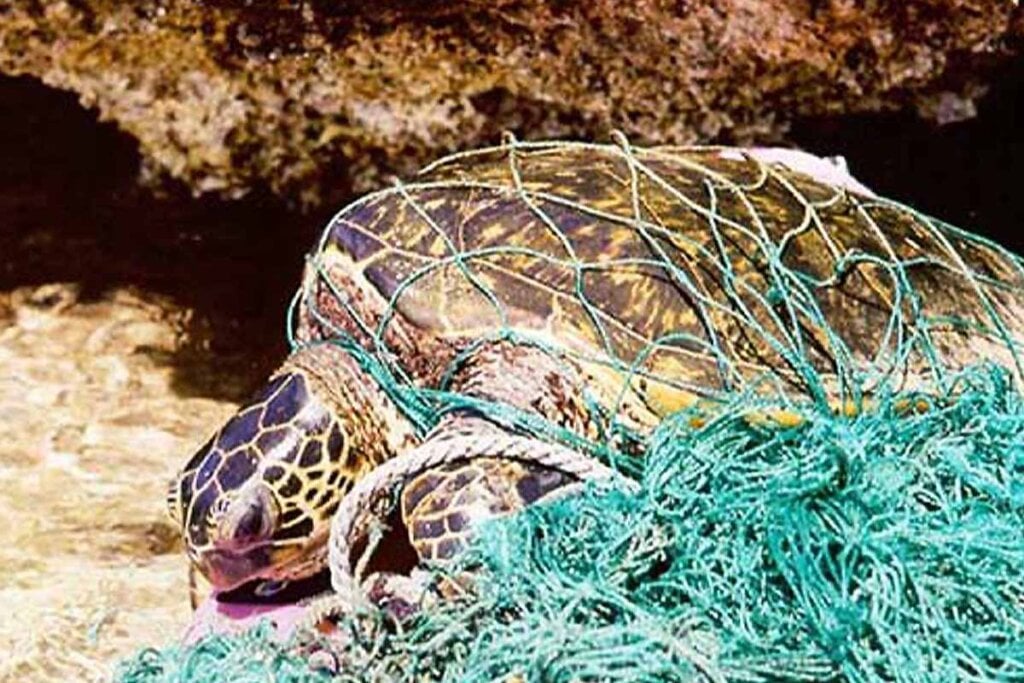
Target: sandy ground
(90, 568)
(109, 384)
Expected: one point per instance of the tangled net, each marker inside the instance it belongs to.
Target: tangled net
(880, 541)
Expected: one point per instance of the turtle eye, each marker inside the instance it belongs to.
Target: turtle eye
(266, 589)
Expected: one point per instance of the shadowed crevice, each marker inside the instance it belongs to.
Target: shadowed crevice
(72, 210)
(966, 173)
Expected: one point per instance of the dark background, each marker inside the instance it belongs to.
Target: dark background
(966, 173)
(71, 210)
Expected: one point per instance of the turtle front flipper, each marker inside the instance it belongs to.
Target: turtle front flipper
(431, 499)
(475, 465)
(442, 505)
(441, 508)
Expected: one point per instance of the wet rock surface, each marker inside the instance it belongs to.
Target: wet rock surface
(316, 99)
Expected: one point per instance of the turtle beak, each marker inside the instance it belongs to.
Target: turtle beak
(242, 546)
(227, 570)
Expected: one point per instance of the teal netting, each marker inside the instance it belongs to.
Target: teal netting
(880, 548)
(845, 502)
(697, 271)
(252, 657)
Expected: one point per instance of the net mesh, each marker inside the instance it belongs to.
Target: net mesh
(666, 273)
(823, 385)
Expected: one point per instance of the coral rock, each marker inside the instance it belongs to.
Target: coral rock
(318, 98)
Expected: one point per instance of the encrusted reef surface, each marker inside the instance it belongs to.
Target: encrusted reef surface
(314, 100)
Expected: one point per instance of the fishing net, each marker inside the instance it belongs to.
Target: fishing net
(823, 385)
(252, 657)
(665, 274)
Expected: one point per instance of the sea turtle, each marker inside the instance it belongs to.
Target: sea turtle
(594, 288)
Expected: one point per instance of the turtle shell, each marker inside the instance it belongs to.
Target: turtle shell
(688, 270)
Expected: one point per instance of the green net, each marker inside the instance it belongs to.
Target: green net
(874, 549)
(252, 657)
(661, 274)
(866, 550)
(816, 389)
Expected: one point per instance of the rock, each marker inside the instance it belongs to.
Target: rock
(319, 98)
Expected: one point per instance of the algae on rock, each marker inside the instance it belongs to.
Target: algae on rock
(320, 98)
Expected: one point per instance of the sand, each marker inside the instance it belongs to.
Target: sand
(90, 567)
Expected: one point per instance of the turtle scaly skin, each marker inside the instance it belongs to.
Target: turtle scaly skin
(598, 287)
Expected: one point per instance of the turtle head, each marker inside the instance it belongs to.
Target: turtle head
(255, 502)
